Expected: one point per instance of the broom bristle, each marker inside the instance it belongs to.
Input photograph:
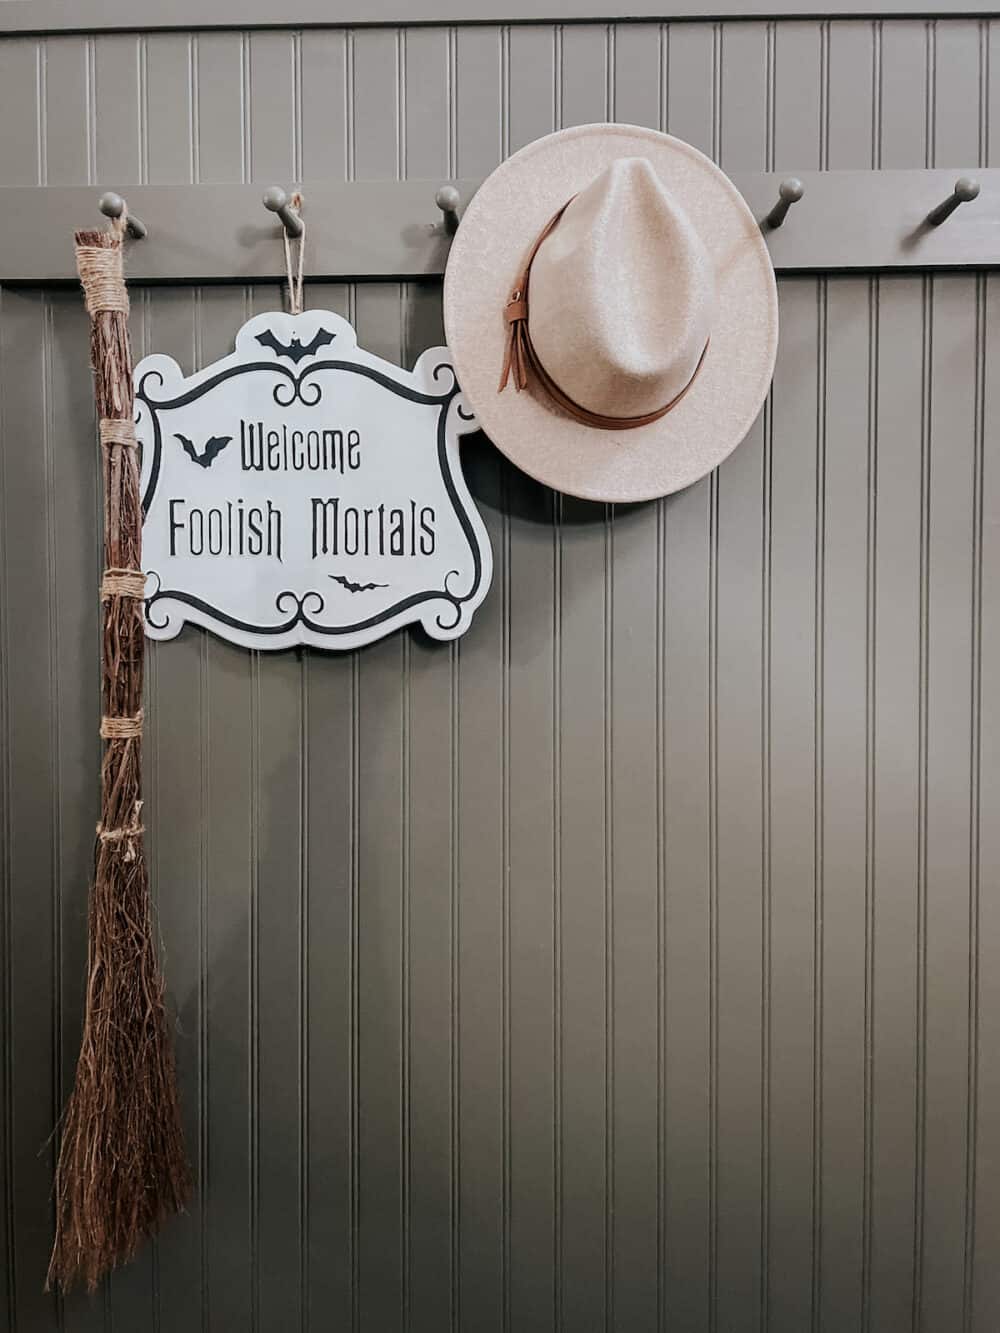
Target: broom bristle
(122, 1165)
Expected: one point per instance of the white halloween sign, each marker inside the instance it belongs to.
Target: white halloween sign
(304, 491)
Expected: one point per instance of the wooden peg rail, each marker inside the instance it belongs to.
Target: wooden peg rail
(843, 221)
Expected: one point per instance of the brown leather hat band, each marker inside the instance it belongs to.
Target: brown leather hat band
(521, 360)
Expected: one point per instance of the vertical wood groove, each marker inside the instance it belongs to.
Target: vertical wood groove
(454, 982)
(204, 1067)
(406, 998)
(766, 836)
(819, 788)
(712, 1285)
(609, 927)
(91, 110)
(6, 881)
(975, 812)
(920, 1162)
(355, 1079)
(254, 989)
(661, 906)
(766, 813)
(41, 105)
(304, 896)
(505, 1076)
(55, 821)
(871, 622)
(557, 908)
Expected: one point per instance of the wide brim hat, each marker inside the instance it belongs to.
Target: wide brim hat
(498, 230)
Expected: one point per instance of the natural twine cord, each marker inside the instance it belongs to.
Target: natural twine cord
(132, 831)
(122, 728)
(123, 583)
(295, 280)
(115, 430)
(103, 278)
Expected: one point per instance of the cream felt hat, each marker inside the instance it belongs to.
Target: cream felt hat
(611, 310)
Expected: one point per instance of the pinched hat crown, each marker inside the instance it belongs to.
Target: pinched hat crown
(622, 295)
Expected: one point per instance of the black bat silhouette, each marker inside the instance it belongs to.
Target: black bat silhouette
(295, 350)
(355, 587)
(212, 449)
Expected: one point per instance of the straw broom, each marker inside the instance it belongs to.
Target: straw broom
(122, 1165)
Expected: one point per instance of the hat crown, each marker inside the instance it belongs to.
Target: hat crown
(622, 294)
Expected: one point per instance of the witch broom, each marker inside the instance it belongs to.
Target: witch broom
(122, 1165)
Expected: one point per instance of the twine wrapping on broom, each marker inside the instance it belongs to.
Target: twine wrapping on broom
(122, 1165)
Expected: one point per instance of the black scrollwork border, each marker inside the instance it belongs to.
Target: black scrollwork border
(312, 599)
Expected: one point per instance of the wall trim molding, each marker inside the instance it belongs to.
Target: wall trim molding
(38, 17)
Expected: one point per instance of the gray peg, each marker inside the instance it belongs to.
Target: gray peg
(790, 191)
(966, 189)
(277, 201)
(113, 205)
(448, 200)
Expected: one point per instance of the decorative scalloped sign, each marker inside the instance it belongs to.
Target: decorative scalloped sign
(303, 490)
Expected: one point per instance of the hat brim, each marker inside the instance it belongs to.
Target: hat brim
(499, 225)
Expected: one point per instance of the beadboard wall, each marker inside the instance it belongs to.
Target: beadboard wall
(634, 963)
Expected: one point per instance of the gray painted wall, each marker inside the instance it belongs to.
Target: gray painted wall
(635, 963)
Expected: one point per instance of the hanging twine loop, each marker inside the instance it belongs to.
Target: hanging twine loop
(295, 274)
